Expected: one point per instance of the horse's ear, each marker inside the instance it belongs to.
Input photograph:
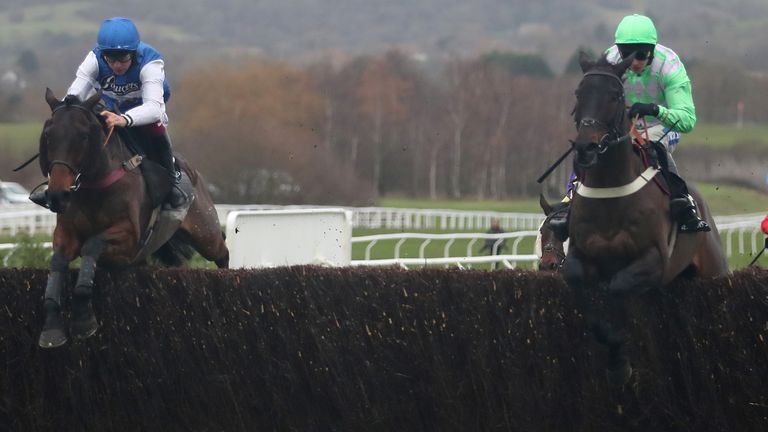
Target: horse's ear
(585, 61)
(52, 100)
(545, 205)
(93, 100)
(620, 68)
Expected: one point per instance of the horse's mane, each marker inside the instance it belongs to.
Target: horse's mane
(602, 62)
(70, 100)
(73, 100)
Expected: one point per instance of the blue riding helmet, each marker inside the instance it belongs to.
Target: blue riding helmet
(118, 34)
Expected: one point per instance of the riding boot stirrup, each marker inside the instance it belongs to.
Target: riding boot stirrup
(685, 213)
(177, 197)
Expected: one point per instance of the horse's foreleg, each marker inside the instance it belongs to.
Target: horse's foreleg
(607, 330)
(53, 334)
(84, 322)
(641, 275)
(576, 275)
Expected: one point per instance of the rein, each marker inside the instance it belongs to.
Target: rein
(101, 183)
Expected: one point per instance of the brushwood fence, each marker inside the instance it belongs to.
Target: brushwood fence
(341, 349)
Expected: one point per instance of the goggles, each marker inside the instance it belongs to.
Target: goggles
(639, 55)
(642, 51)
(122, 57)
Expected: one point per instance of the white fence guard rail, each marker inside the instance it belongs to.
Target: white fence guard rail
(13, 222)
(25, 218)
(510, 261)
(740, 233)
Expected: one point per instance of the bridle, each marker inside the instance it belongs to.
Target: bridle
(76, 172)
(550, 245)
(613, 136)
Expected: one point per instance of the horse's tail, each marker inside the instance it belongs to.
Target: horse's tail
(176, 251)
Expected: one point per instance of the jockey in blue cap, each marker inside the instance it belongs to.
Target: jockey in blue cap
(131, 75)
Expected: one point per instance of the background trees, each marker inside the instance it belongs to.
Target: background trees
(269, 132)
(264, 131)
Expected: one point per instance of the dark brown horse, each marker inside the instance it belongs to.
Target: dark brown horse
(622, 238)
(105, 209)
(549, 248)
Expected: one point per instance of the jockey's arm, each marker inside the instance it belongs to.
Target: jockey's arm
(85, 78)
(679, 107)
(152, 108)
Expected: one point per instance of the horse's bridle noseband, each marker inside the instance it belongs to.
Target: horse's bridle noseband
(77, 173)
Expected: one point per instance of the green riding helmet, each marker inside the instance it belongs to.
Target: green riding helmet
(636, 29)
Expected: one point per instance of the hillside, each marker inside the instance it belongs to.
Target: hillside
(438, 29)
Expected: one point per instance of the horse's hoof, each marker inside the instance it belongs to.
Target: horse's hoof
(86, 328)
(52, 338)
(619, 375)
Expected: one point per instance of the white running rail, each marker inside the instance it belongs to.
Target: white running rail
(740, 233)
(464, 258)
(43, 221)
(26, 218)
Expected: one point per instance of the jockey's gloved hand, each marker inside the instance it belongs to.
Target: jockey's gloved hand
(766, 243)
(643, 109)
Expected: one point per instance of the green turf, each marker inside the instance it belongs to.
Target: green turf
(727, 136)
(19, 139)
(722, 201)
(528, 205)
(30, 255)
(732, 200)
(410, 249)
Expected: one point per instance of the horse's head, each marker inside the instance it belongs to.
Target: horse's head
(69, 146)
(600, 107)
(551, 251)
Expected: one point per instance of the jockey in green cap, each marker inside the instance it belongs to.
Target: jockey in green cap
(658, 92)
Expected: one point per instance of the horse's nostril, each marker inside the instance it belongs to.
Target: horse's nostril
(58, 200)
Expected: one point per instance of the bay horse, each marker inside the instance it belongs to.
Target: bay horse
(107, 212)
(550, 249)
(623, 241)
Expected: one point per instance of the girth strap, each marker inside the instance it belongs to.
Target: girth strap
(115, 175)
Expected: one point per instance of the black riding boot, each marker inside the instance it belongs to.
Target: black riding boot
(559, 223)
(682, 207)
(683, 210)
(176, 197)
